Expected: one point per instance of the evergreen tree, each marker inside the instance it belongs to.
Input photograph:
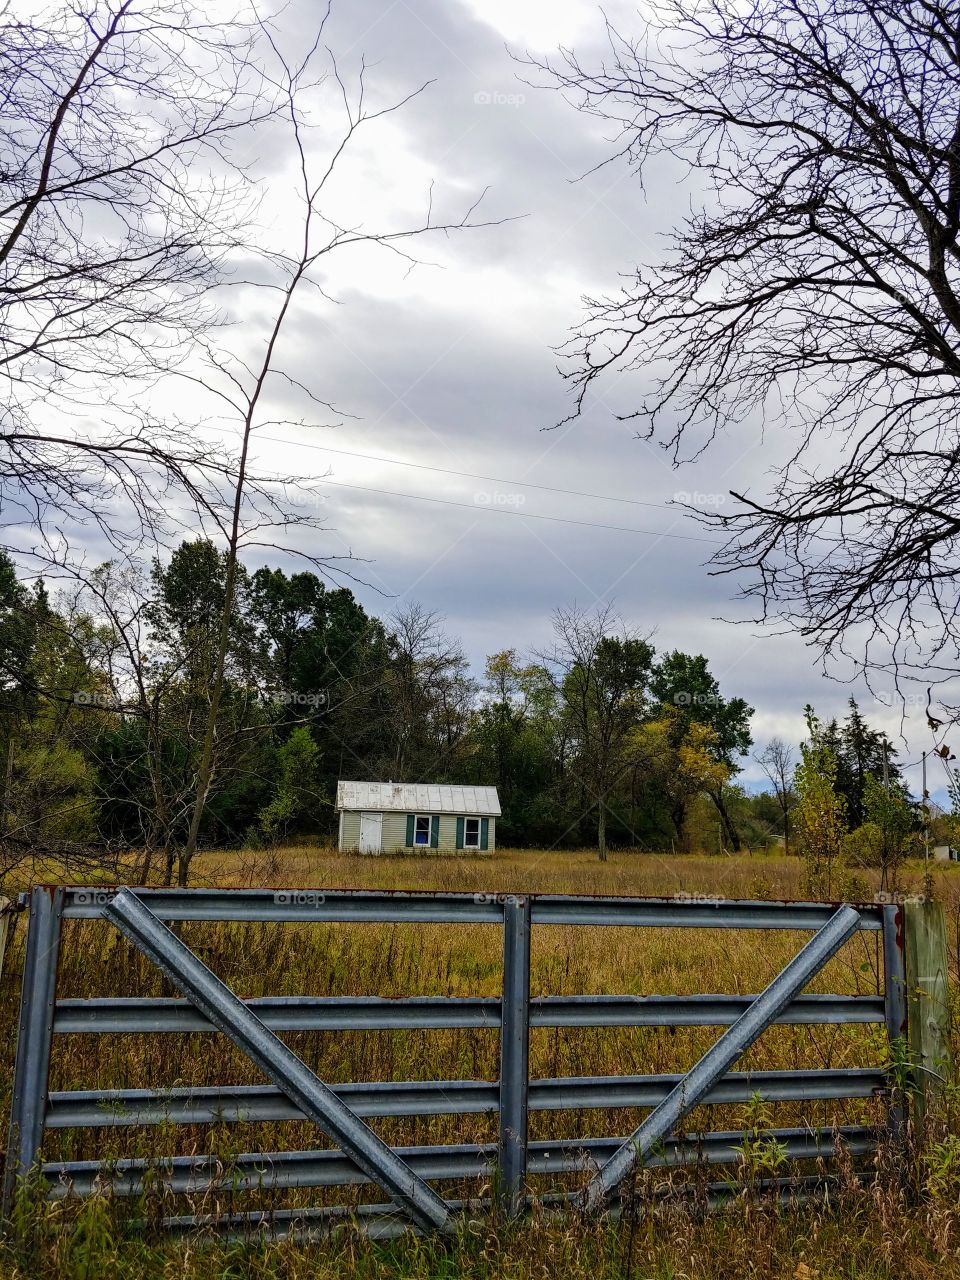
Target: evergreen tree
(860, 752)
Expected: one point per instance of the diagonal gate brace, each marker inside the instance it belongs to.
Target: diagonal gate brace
(276, 1060)
(824, 944)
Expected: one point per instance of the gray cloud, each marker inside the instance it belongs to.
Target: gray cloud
(454, 368)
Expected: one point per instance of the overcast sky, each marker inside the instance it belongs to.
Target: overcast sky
(452, 365)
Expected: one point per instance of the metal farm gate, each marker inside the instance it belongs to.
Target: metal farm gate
(294, 1091)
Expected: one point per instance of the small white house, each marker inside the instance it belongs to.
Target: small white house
(390, 817)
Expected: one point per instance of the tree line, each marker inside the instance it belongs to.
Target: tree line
(845, 805)
(107, 712)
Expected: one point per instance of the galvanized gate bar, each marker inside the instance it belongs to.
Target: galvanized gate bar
(34, 1033)
(276, 1060)
(297, 1095)
(111, 1015)
(721, 1056)
(514, 1054)
(297, 905)
(692, 912)
(249, 1104)
(376, 906)
(380, 1221)
(272, 1170)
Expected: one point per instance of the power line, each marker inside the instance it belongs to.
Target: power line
(470, 475)
(523, 515)
(523, 484)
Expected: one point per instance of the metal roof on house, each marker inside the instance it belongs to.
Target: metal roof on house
(418, 797)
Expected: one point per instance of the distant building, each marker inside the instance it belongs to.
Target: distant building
(945, 853)
(390, 817)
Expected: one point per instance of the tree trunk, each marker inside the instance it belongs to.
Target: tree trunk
(143, 875)
(678, 816)
(732, 835)
(8, 780)
(184, 861)
(602, 831)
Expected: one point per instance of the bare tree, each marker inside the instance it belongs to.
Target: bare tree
(816, 283)
(777, 761)
(121, 204)
(431, 693)
(243, 389)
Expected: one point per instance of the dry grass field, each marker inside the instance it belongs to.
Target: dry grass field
(904, 1224)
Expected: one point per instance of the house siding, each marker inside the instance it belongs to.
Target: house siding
(349, 830)
(395, 832)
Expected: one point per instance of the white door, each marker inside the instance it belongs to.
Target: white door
(371, 832)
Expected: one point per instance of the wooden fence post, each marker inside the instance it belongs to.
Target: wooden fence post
(928, 1000)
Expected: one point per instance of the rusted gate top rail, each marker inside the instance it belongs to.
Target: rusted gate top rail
(406, 1172)
(398, 906)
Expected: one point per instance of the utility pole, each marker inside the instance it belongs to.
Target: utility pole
(926, 815)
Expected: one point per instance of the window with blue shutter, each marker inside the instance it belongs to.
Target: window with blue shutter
(434, 832)
(411, 820)
(484, 833)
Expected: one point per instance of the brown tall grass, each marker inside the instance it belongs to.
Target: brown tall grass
(345, 959)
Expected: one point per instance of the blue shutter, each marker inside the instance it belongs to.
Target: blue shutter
(411, 819)
(460, 822)
(484, 832)
(434, 832)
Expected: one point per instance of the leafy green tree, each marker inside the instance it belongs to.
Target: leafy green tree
(602, 671)
(514, 738)
(297, 795)
(50, 773)
(689, 694)
(19, 610)
(889, 833)
(324, 662)
(819, 818)
(185, 614)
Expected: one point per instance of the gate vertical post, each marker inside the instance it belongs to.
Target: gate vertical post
(928, 998)
(34, 1034)
(514, 1053)
(895, 1010)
